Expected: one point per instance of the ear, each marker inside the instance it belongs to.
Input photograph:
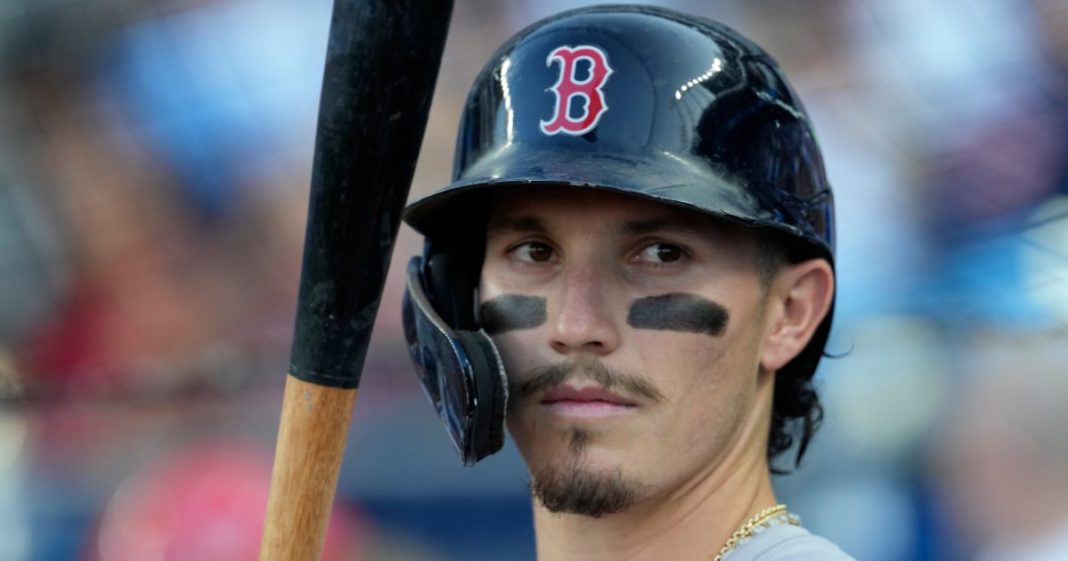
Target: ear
(799, 298)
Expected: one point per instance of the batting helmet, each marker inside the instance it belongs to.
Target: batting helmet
(630, 99)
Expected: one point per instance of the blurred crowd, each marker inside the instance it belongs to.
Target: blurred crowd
(154, 165)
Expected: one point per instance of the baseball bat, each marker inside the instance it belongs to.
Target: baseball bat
(382, 62)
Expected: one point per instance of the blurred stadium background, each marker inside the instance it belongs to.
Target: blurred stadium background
(154, 167)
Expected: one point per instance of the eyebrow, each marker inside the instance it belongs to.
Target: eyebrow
(518, 224)
(639, 227)
(534, 224)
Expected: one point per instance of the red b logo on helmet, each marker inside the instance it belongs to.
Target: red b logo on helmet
(568, 87)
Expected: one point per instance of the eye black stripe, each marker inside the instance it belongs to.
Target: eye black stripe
(509, 312)
(678, 312)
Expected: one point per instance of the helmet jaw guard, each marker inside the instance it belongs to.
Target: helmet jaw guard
(684, 112)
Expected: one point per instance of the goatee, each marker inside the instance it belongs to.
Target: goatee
(575, 488)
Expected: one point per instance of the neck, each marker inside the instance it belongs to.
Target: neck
(692, 520)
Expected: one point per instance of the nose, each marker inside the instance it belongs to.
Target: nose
(581, 317)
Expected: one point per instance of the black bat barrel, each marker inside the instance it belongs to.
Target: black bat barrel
(381, 65)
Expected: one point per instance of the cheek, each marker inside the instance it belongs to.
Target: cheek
(687, 368)
(517, 350)
(706, 380)
(680, 362)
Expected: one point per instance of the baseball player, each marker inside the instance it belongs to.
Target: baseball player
(633, 271)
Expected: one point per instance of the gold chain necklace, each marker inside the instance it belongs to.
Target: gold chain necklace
(749, 527)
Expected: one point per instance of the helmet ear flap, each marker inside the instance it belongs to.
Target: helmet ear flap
(451, 280)
(460, 369)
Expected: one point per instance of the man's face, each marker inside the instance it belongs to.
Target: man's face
(631, 332)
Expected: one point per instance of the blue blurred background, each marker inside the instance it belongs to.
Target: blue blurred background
(154, 166)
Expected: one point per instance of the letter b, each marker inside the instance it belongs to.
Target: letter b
(568, 87)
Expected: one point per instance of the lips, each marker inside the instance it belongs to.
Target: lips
(590, 395)
(586, 405)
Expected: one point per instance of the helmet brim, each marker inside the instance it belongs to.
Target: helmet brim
(664, 178)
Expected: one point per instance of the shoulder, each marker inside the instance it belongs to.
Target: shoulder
(788, 543)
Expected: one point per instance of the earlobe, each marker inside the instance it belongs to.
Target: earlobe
(804, 292)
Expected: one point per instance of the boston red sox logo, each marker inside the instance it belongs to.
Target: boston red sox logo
(568, 87)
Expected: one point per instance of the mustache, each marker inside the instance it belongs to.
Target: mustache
(544, 378)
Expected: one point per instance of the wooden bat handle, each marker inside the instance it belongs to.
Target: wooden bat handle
(311, 442)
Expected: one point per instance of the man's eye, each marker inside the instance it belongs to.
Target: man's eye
(533, 252)
(660, 253)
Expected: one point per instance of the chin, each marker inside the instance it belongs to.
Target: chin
(576, 484)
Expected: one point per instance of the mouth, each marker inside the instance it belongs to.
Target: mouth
(585, 403)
